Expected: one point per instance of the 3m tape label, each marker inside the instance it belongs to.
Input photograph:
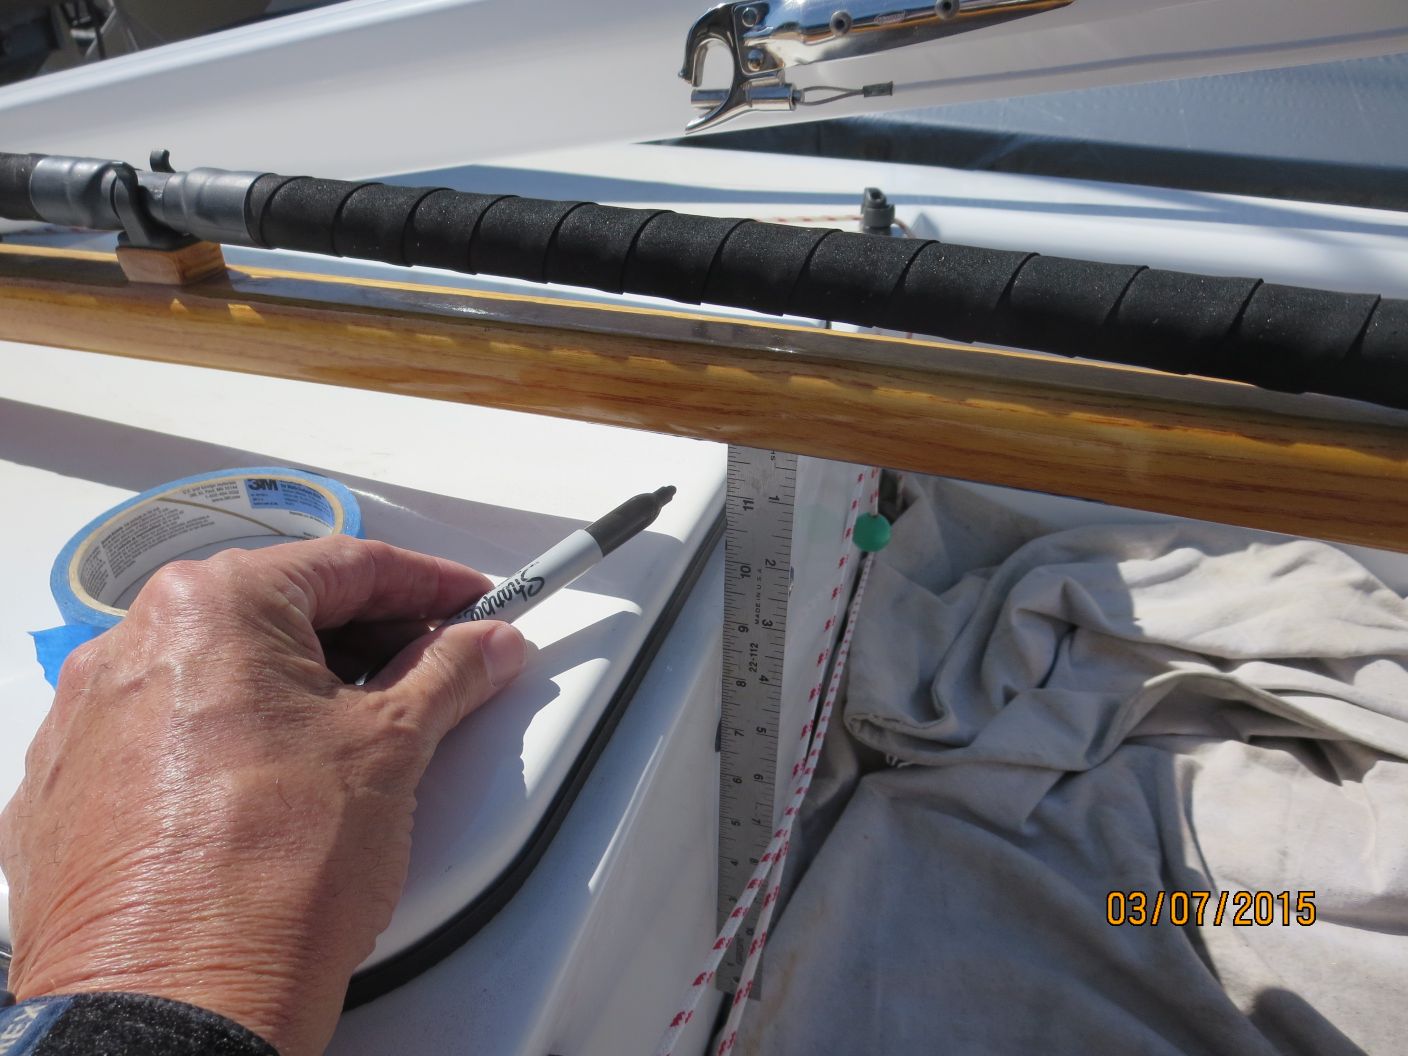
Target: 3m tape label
(151, 530)
(213, 491)
(102, 568)
(194, 518)
(289, 495)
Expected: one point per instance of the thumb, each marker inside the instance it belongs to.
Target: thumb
(446, 674)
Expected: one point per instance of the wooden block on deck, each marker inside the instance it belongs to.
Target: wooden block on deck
(171, 267)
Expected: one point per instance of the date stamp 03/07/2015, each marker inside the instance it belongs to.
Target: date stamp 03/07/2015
(1242, 909)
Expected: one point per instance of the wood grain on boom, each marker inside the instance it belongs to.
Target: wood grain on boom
(1212, 450)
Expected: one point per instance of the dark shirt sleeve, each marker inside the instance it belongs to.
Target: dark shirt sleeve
(120, 1025)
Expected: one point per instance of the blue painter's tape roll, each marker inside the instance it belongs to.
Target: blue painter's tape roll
(104, 566)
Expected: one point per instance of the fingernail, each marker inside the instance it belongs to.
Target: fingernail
(503, 652)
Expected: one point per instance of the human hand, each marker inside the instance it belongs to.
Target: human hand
(209, 813)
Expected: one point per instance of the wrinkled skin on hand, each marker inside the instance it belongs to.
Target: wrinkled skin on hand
(209, 813)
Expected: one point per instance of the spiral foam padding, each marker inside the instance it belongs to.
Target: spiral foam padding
(594, 244)
(1186, 341)
(440, 229)
(674, 254)
(1378, 370)
(1279, 337)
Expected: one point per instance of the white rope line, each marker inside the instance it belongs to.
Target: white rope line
(755, 952)
(809, 752)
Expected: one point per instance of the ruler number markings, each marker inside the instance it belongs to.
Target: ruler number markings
(758, 573)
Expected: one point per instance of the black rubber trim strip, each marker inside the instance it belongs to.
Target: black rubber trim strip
(455, 932)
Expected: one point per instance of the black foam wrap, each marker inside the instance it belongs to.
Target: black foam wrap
(1279, 337)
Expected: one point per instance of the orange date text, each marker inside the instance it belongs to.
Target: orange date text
(1241, 909)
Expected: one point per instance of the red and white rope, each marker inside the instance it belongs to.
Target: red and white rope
(769, 870)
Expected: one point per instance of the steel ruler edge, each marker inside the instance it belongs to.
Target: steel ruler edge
(785, 517)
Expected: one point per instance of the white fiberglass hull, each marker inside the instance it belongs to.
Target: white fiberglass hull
(371, 87)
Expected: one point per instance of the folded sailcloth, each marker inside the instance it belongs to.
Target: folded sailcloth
(1151, 707)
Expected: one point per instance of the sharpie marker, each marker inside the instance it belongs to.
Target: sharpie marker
(546, 575)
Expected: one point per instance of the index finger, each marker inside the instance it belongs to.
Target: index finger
(340, 579)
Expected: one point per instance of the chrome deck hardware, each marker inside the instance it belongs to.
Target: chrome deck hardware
(765, 37)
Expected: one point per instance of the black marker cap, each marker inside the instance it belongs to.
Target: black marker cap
(630, 518)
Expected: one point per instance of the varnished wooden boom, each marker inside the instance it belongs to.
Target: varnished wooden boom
(1202, 449)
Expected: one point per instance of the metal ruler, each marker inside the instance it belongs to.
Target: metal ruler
(762, 489)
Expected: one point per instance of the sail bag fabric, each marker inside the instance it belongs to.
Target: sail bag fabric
(1156, 707)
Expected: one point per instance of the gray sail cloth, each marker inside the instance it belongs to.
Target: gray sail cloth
(1137, 708)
